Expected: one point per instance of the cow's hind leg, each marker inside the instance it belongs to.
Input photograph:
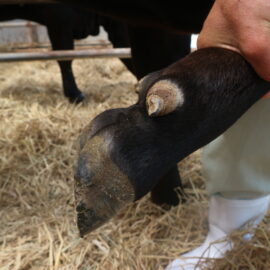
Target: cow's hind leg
(62, 39)
(71, 91)
(169, 189)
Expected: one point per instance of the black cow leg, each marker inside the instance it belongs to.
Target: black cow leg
(62, 40)
(119, 37)
(165, 191)
(154, 49)
(71, 91)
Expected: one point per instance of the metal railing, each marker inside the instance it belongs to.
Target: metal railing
(65, 55)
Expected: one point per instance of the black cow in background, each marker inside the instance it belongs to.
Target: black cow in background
(151, 48)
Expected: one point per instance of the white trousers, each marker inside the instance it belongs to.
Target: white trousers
(237, 164)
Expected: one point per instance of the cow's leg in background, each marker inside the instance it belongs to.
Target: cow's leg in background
(153, 49)
(119, 37)
(60, 21)
(168, 189)
(61, 39)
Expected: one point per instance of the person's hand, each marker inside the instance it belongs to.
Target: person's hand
(242, 26)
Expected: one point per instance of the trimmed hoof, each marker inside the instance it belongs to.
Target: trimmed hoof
(101, 188)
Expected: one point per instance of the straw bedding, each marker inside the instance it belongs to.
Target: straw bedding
(37, 230)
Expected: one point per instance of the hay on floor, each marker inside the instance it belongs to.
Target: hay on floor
(37, 230)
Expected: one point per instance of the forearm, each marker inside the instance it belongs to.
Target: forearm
(242, 26)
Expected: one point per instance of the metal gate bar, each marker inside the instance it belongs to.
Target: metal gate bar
(16, 2)
(65, 55)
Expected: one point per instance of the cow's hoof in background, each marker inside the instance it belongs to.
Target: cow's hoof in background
(169, 189)
(77, 99)
(172, 198)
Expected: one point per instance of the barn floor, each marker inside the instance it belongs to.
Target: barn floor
(37, 230)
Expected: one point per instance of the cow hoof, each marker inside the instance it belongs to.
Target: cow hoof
(78, 99)
(169, 199)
